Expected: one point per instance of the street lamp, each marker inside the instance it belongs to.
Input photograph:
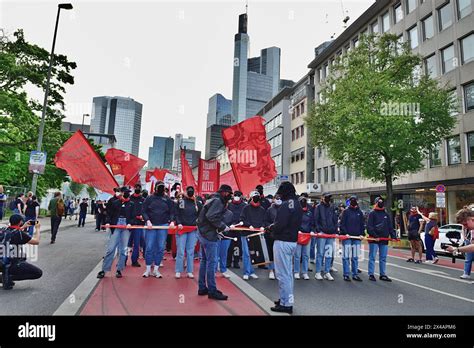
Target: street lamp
(46, 92)
(82, 127)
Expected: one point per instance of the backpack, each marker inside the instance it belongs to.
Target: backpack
(12, 205)
(60, 208)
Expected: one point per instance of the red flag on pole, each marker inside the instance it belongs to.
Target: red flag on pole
(208, 177)
(249, 153)
(78, 158)
(228, 179)
(124, 163)
(158, 174)
(187, 177)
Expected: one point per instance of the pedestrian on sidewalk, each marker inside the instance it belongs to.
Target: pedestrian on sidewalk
(32, 213)
(210, 223)
(121, 213)
(302, 250)
(3, 200)
(187, 212)
(285, 233)
(54, 208)
(82, 212)
(100, 215)
(414, 229)
(77, 203)
(431, 234)
(19, 205)
(379, 225)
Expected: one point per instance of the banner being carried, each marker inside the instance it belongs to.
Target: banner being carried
(208, 177)
(187, 176)
(124, 163)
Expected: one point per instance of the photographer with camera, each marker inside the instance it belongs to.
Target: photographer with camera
(13, 259)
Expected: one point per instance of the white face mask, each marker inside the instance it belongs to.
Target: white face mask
(236, 199)
(278, 201)
(117, 194)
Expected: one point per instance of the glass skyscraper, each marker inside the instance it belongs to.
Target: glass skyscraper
(219, 117)
(161, 154)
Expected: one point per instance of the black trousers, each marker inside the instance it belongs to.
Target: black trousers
(23, 270)
(99, 220)
(55, 221)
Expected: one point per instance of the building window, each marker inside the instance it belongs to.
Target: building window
(445, 16)
(302, 154)
(454, 150)
(297, 133)
(430, 66)
(375, 27)
(326, 174)
(320, 153)
(467, 49)
(469, 96)
(413, 37)
(319, 175)
(302, 131)
(302, 177)
(326, 70)
(470, 146)
(427, 28)
(357, 175)
(411, 5)
(293, 135)
(348, 174)
(400, 44)
(320, 74)
(448, 59)
(385, 22)
(302, 107)
(435, 156)
(333, 173)
(340, 174)
(297, 178)
(397, 13)
(454, 96)
(355, 42)
(464, 8)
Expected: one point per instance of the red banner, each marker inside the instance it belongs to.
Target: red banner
(228, 179)
(249, 153)
(158, 174)
(208, 177)
(78, 158)
(124, 163)
(187, 177)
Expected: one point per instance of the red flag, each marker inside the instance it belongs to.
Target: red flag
(124, 163)
(208, 177)
(78, 158)
(228, 179)
(135, 180)
(159, 174)
(249, 153)
(187, 177)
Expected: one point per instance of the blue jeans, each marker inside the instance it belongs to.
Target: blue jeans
(222, 251)
(207, 266)
(185, 242)
(302, 256)
(468, 260)
(325, 250)
(82, 218)
(383, 251)
(283, 253)
(118, 240)
(248, 268)
(429, 243)
(31, 228)
(350, 247)
(137, 239)
(312, 249)
(155, 245)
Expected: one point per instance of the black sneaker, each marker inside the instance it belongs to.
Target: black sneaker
(217, 296)
(118, 274)
(101, 274)
(372, 278)
(277, 302)
(385, 278)
(347, 278)
(411, 260)
(53, 241)
(203, 292)
(282, 309)
(356, 278)
(136, 264)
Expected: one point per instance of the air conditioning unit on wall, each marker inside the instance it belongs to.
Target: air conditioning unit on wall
(312, 187)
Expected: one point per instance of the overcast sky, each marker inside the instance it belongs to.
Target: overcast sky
(172, 56)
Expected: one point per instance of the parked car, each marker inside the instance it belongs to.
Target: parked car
(457, 228)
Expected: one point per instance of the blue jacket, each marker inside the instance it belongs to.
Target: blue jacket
(307, 222)
(137, 201)
(187, 211)
(236, 210)
(352, 222)
(158, 209)
(325, 218)
(379, 225)
(120, 209)
(288, 221)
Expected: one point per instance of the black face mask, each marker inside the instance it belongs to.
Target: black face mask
(327, 200)
(256, 199)
(137, 191)
(190, 193)
(126, 195)
(304, 203)
(353, 202)
(380, 204)
(260, 191)
(160, 190)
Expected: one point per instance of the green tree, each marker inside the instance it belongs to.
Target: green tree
(378, 114)
(75, 188)
(92, 192)
(24, 65)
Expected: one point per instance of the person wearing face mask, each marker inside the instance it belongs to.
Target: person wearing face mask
(137, 237)
(187, 212)
(379, 225)
(270, 216)
(302, 251)
(253, 216)
(325, 222)
(210, 224)
(234, 252)
(264, 203)
(158, 210)
(352, 224)
(121, 213)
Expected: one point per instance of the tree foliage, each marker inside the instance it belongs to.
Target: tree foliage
(92, 192)
(76, 188)
(378, 114)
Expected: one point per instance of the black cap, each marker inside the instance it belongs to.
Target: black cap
(16, 219)
(124, 189)
(225, 188)
(269, 196)
(238, 193)
(326, 194)
(353, 197)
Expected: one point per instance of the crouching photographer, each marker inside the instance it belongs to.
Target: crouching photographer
(13, 265)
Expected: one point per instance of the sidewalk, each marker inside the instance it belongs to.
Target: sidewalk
(46, 222)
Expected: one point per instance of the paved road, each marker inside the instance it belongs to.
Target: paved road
(416, 290)
(65, 265)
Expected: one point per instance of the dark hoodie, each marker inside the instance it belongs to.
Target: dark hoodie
(379, 225)
(159, 209)
(325, 218)
(270, 214)
(137, 200)
(252, 216)
(121, 208)
(211, 217)
(352, 221)
(236, 209)
(307, 222)
(187, 211)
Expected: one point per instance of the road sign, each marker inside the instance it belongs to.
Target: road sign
(440, 188)
(440, 200)
(281, 177)
(37, 162)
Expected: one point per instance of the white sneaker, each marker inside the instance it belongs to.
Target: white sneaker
(161, 264)
(157, 274)
(226, 275)
(190, 275)
(297, 276)
(318, 276)
(312, 261)
(305, 276)
(146, 274)
(271, 275)
(465, 276)
(246, 277)
(328, 276)
(334, 270)
(429, 261)
(254, 276)
(177, 275)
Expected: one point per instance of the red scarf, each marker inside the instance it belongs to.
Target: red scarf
(254, 204)
(376, 207)
(305, 209)
(124, 200)
(237, 202)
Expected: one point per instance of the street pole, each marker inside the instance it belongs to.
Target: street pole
(34, 182)
(82, 127)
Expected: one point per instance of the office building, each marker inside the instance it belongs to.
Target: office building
(160, 155)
